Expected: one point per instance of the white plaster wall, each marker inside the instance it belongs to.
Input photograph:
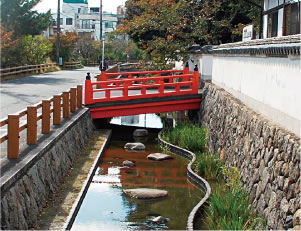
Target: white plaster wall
(207, 65)
(280, 22)
(271, 81)
(204, 62)
(265, 26)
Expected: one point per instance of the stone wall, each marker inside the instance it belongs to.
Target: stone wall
(267, 156)
(25, 191)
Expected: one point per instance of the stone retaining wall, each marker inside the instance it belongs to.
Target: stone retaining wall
(26, 187)
(267, 156)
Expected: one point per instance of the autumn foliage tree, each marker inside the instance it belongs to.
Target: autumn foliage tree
(164, 28)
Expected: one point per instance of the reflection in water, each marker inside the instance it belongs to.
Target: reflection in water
(105, 207)
(143, 120)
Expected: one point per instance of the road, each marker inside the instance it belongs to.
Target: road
(16, 95)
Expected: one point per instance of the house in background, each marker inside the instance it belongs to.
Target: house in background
(281, 18)
(77, 16)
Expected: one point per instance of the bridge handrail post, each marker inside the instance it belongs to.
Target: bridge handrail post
(13, 137)
(103, 78)
(57, 109)
(196, 78)
(32, 119)
(186, 68)
(88, 90)
(45, 116)
(161, 87)
(125, 90)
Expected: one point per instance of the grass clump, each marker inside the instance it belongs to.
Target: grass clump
(208, 166)
(229, 206)
(187, 135)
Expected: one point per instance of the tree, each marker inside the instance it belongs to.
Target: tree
(18, 16)
(67, 47)
(35, 49)
(164, 28)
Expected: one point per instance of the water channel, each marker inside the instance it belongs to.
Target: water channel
(105, 206)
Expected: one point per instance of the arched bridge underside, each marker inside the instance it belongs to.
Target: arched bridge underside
(132, 93)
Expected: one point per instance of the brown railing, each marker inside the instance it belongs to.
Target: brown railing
(26, 69)
(69, 101)
(72, 64)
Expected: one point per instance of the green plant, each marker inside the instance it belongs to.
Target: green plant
(188, 136)
(209, 166)
(229, 206)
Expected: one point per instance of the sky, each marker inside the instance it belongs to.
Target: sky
(108, 5)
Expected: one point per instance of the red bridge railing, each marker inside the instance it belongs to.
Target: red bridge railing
(138, 85)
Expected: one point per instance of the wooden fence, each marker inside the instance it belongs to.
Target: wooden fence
(26, 69)
(69, 101)
(72, 64)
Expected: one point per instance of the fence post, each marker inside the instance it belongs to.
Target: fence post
(88, 90)
(79, 96)
(32, 130)
(13, 137)
(66, 105)
(73, 99)
(196, 78)
(45, 116)
(57, 110)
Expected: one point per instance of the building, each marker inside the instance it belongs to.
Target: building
(77, 16)
(281, 18)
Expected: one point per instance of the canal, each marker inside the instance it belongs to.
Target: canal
(106, 207)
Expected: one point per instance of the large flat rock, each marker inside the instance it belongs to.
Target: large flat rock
(145, 193)
(135, 146)
(158, 156)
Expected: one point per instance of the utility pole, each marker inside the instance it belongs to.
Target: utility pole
(58, 28)
(100, 21)
(100, 35)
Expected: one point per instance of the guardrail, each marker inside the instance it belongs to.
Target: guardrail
(68, 100)
(26, 69)
(72, 64)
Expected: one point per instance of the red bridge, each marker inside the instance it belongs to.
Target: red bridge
(132, 93)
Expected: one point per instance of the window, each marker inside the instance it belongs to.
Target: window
(61, 21)
(68, 21)
(109, 24)
(272, 24)
(78, 10)
(292, 16)
(94, 9)
(85, 24)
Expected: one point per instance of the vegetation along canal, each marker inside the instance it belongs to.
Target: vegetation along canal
(106, 207)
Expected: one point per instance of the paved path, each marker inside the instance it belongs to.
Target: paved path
(16, 95)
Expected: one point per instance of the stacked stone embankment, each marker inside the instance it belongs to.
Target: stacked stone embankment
(25, 188)
(267, 156)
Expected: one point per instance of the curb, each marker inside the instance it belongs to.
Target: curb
(192, 176)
